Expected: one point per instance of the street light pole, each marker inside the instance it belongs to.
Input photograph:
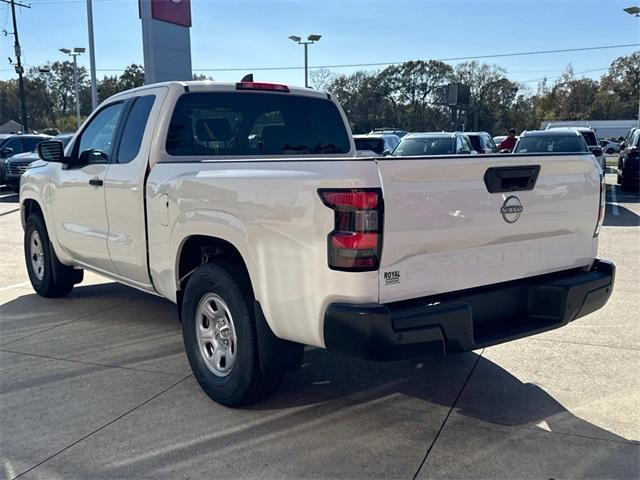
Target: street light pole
(75, 53)
(77, 89)
(92, 57)
(310, 39)
(306, 65)
(635, 11)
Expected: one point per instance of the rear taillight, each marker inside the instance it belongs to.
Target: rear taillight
(603, 194)
(272, 87)
(355, 243)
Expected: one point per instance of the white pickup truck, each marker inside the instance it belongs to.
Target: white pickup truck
(246, 205)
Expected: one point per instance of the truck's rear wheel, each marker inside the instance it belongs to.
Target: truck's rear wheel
(48, 276)
(219, 331)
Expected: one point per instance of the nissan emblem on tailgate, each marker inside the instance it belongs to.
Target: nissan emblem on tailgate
(511, 209)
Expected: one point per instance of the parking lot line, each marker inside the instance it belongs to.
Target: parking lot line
(451, 409)
(10, 211)
(15, 285)
(614, 202)
(105, 425)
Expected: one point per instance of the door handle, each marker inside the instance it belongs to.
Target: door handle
(96, 182)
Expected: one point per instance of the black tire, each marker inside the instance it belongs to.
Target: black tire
(245, 383)
(53, 279)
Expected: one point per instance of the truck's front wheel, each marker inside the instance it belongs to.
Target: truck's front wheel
(219, 331)
(48, 276)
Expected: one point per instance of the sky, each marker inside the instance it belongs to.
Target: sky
(246, 34)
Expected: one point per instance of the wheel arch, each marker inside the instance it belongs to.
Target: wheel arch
(196, 250)
(29, 206)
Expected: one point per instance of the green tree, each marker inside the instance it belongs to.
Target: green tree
(411, 87)
(621, 83)
(132, 77)
(363, 101)
(492, 95)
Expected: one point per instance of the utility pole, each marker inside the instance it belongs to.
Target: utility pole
(92, 57)
(19, 68)
(635, 11)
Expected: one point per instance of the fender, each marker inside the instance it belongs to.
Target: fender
(216, 224)
(39, 194)
(225, 226)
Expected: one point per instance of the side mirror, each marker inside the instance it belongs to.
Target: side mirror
(597, 151)
(51, 151)
(386, 152)
(6, 152)
(505, 150)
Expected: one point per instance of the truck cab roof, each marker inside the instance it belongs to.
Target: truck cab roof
(211, 86)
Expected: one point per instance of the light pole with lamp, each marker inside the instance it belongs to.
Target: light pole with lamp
(310, 39)
(75, 53)
(635, 11)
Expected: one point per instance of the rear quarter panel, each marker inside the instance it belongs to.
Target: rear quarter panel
(271, 212)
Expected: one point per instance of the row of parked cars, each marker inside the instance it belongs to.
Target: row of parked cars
(17, 151)
(552, 140)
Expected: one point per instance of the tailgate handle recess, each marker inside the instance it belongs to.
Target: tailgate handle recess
(511, 179)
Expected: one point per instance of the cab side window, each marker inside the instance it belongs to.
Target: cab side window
(134, 128)
(96, 141)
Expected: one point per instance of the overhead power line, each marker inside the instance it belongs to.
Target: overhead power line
(380, 64)
(451, 59)
(601, 69)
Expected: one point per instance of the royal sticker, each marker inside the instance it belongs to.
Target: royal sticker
(391, 278)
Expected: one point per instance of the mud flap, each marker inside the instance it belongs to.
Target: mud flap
(275, 354)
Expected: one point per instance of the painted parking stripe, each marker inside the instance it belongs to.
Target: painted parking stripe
(15, 285)
(10, 211)
(614, 202)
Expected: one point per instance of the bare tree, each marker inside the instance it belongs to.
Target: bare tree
(321, 78)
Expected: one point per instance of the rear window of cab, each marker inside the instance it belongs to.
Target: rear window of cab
(250, 123)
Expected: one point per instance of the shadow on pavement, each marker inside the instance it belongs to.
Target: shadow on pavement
(332, 387)
(624, 217)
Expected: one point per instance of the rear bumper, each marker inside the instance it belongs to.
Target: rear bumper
(469, 319)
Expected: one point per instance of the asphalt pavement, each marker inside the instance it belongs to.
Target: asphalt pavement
(96, 385)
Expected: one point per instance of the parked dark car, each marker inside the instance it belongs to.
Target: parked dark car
(17, 164)
(555, 140)
(16, 143)
(629, 164)
(433, 143)
(482, 142)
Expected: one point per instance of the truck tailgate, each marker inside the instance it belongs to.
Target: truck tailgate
(444, 231)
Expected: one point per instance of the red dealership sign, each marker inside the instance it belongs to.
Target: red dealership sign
(177, 12)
